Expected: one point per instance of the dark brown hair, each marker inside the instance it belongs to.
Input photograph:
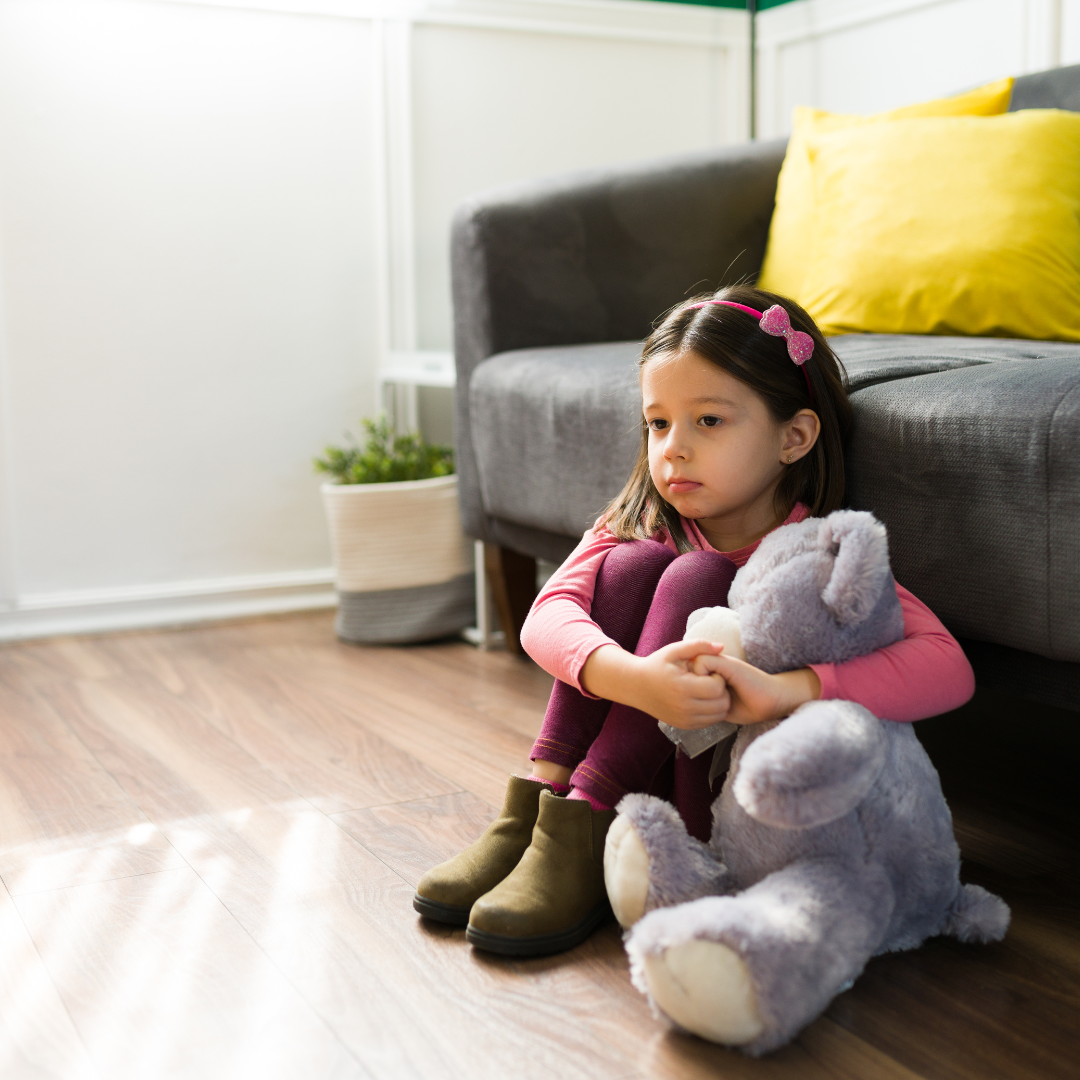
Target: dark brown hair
(733, 340)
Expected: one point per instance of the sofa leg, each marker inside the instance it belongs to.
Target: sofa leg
(512, 580)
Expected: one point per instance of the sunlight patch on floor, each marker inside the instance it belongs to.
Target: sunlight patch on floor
(158, 976)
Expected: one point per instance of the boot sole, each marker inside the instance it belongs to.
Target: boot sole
(541, 944)
(451, 914)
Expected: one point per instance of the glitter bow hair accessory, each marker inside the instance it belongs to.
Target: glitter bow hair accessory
(776, 322)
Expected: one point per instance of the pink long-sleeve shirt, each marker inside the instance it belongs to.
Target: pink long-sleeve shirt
(924, 674)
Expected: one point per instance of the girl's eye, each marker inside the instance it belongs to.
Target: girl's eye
(657, 425)
(710, 421)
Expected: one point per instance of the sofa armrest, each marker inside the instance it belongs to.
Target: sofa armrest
(597, 256)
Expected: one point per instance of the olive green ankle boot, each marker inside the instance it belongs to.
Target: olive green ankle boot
(555, 897)
(446, 892)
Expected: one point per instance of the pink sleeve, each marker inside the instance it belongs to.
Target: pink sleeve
(923, 675)
(558, 632)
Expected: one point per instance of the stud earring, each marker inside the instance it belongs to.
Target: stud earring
(790, 458)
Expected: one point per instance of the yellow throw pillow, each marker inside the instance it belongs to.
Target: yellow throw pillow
(950, 225)
(791, 231)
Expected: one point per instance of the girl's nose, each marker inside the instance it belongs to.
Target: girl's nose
(676, 446)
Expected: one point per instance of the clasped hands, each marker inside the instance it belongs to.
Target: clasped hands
(692, 684)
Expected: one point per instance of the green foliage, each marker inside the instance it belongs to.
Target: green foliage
(385, 458)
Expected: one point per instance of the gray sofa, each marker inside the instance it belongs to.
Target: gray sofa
(967, 448)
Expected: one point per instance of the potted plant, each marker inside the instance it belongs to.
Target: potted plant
(403, 567)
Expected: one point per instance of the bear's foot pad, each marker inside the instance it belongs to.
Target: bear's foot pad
(626, 872)
(705, 988)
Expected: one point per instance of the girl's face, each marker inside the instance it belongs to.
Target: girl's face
(715, 452)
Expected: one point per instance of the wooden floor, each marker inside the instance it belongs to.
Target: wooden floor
(209, 840)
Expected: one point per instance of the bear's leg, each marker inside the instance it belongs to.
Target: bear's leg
(651, 861)
(751, 970)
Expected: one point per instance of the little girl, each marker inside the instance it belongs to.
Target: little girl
(745, 419)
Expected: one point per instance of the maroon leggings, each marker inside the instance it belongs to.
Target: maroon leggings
(644, 593)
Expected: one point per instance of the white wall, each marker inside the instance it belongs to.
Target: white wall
(869, 55)
(215, 218)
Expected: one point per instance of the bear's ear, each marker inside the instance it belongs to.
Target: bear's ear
(861, 564)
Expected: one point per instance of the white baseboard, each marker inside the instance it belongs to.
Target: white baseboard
(90, 611)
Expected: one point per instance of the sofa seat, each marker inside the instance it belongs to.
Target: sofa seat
(557, 432)
(967, 448)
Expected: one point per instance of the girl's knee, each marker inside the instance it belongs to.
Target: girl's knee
(695, 580)
(637, 559)
(697, 566)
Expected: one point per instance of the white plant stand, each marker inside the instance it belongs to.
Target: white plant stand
(401, 373)
(485, 634)
(397, 380)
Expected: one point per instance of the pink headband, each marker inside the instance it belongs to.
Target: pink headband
(776, 321)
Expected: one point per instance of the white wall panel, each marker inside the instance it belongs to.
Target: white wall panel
(491, 107)
(1070, 31)
(864, 56)
(920, 54)
(186, 240)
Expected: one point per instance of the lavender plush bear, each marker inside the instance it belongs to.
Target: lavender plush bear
(831, 839)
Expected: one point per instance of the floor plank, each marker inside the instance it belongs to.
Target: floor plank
(477, 749)
(314, 746)
(145, 963)
(38, 1040)
(414, 836)
(848, 1056)
(65, 819)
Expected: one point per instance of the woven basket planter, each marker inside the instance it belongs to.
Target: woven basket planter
(403, 567)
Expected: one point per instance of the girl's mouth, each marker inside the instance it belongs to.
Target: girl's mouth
(680, 487)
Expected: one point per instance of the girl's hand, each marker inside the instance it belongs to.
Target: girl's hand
(755, 695)
(662, 684)
(673, 690)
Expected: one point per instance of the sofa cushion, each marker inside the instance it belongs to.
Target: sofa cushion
(975, 469)
(791, 233)
(875, 358)
(1058, 88)
(948, 225)
(556, 432)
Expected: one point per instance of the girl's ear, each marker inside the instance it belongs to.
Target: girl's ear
(800, 433)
